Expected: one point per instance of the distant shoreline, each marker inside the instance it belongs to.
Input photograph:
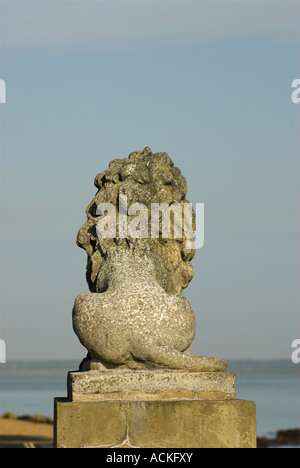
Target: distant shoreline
(35, 371)
(51, 367)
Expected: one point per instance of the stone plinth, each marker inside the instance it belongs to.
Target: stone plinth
(153, 409)
(155, 424)
(151, 385)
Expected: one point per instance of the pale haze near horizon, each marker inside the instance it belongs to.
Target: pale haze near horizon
(207, 82)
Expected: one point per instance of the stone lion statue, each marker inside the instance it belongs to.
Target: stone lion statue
(136, 315)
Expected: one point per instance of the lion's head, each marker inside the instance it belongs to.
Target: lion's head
(144, 178)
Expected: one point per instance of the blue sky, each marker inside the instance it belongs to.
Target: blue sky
(207, 82)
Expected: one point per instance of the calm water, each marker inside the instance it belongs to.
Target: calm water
(277, 396)
(31, 394)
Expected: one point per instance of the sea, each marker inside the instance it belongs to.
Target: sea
(28, 388)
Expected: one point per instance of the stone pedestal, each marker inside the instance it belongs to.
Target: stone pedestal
(153, 409)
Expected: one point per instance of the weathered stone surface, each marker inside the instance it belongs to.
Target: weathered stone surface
(150, 385)
(78, 425)
(136, 315)
(156, 424)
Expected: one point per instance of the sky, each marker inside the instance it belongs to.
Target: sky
(209, 82)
